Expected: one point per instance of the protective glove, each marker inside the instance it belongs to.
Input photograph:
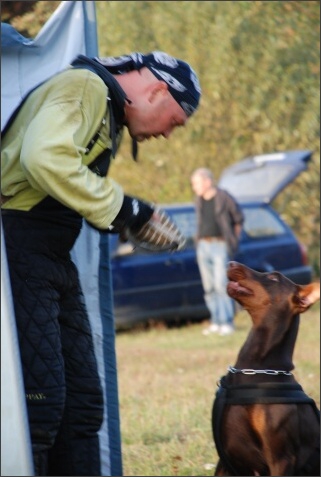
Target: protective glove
(147, 227)
(134, 213)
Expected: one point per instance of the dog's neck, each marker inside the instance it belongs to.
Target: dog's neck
(270, 346)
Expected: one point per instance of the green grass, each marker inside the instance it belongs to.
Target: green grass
(167, 382)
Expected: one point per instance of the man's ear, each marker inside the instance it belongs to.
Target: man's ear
(157, 91)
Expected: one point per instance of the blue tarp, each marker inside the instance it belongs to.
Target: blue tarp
(70, 31)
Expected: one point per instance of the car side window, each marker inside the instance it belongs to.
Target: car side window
(260, 222)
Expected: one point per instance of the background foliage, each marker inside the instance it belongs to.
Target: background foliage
(259, 68)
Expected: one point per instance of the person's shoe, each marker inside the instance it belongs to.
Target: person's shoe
(214, 328)
(226, 330)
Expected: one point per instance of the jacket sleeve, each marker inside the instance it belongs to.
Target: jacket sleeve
(236, 214)
(54, 164)
(231, 221)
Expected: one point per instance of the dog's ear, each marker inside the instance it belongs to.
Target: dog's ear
(306, 296)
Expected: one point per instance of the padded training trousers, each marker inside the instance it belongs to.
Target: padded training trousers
(63, 392)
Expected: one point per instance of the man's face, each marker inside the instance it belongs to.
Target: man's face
(200, 185)
(154, 114)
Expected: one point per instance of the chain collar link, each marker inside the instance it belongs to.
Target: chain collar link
(271, 372)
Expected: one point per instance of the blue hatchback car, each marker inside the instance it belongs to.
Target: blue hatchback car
(167, 285)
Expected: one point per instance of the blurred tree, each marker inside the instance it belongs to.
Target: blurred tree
(27, 17)
(259, 67)
(13, 9)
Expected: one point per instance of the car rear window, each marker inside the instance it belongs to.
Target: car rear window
(260, 222)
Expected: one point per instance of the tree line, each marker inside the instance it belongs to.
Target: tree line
(259, 69)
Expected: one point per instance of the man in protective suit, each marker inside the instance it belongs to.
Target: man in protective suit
(56, 149)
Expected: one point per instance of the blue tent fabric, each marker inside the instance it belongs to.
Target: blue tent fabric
(106, 310)
(11, 38)
(91, 254)
(70, 31)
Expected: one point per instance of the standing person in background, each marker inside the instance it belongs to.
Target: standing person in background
(219, 224)
(55, 154)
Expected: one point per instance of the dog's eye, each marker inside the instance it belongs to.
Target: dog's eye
(273, 277)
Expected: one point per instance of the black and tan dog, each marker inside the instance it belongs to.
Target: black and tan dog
(263, 422)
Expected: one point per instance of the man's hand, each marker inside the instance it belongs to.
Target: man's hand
(134, 213)
(147, 227)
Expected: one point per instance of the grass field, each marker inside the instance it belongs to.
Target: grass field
(167, 381)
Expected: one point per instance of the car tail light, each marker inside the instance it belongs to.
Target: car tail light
(304, 254)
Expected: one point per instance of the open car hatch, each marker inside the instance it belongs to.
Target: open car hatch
(261, 178)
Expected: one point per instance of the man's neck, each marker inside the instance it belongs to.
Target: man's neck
(210, 193)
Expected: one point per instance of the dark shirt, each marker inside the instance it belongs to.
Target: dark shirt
(209, 226)
(227, 213)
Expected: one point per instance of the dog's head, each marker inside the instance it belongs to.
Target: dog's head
(274, 303)
(257, 291)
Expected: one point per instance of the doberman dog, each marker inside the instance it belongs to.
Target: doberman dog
(263, 422)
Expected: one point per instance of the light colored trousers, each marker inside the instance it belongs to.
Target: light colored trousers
(212, 258)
